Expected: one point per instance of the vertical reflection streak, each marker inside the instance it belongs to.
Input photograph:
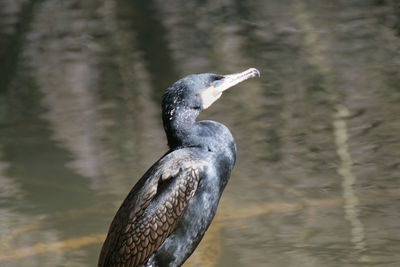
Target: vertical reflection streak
(349, 179)
(317, 58)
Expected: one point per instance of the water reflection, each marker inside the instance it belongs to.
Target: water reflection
(80, 94)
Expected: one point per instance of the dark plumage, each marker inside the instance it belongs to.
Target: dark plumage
(165, 215)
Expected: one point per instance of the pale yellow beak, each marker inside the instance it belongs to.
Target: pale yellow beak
(212, 93)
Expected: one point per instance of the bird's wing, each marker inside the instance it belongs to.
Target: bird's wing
(151, 210)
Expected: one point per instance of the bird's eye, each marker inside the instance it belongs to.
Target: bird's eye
(216, 83)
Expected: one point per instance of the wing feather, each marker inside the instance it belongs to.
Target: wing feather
(151, 210)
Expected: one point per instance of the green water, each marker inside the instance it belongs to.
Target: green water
(317, 179)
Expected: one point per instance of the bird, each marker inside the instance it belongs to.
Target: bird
(167, 212)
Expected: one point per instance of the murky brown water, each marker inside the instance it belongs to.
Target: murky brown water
(317, 180)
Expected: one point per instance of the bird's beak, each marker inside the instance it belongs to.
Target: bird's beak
(232, 79)
(212, 93)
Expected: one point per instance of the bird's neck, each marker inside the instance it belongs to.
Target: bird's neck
(179, 125)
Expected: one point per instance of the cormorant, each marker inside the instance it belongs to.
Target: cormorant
(165, 215)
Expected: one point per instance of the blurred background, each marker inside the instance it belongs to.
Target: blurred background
(317, 179)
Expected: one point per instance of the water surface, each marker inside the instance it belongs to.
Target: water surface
(317, 176)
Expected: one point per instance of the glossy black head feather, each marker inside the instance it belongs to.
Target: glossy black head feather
(186, 92)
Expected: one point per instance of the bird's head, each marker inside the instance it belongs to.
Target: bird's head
(200, 91)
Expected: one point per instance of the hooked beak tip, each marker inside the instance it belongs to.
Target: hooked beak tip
(255, 72)
(258, 73)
